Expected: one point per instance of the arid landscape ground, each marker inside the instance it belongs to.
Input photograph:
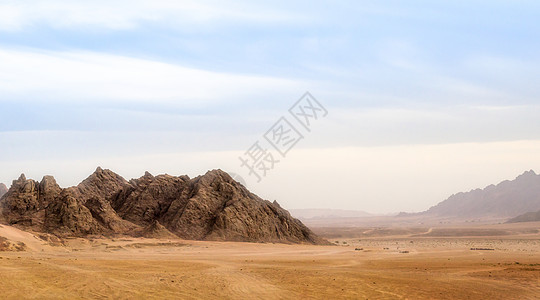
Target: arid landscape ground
(203, 149)
(364, 263)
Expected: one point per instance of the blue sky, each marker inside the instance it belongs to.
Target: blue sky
(184, 86)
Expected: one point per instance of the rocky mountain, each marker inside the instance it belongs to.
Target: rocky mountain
(209, 207)
(3, 189)
(526, 217)
(504, 200)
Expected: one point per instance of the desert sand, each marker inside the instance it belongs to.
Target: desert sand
(391, 264)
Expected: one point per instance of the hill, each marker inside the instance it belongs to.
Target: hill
(209, 207)
(504, 200)
(526, 217)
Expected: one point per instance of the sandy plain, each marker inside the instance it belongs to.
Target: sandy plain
(363, 264)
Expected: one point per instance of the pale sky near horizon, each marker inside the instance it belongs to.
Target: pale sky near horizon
(424, 99)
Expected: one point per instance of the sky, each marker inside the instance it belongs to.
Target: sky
(424, 99)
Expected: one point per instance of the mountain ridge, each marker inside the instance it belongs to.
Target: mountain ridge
(208, 207)
(507, 199)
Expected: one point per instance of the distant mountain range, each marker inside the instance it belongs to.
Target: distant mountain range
(507, 199)
(209, 207)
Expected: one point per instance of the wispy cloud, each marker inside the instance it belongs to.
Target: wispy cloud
(89, 76)
(124, 14)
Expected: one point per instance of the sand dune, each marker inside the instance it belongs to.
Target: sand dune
(32, 242)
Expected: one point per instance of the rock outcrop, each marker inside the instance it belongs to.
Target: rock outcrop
(209, 207)
(102, 184)
(25, 202)
(69, 217)
(7, 245)
(157, 231)
(3, 189)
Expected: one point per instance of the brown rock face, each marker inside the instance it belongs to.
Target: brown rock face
(105, 215)
(146, 199)
(157, 231)
(25, 202)
(3, 189)
(48, 190)
(209, 207)
(215, 207)
(102, 184)
(68, 216)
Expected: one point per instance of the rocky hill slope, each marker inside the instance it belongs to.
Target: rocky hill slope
(504, 200)
(3, 189)
(526, 217)
(209, 207)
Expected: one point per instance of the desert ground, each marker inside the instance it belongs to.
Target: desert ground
(364, 263)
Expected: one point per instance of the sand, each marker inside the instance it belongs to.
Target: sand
(399, 266)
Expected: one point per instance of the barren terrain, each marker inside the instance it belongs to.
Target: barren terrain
(394, 263)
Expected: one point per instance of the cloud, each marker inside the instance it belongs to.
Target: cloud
(91, 76)
(126, 15)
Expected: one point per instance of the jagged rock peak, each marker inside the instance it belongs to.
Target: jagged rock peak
(22, 178)
(103, 183)
(215, 175)
(48, 178)
(101, 174)
(218, 173)
(527, 176)
(48, 190)
(528, 173)
(47, 182)
(21, 203)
